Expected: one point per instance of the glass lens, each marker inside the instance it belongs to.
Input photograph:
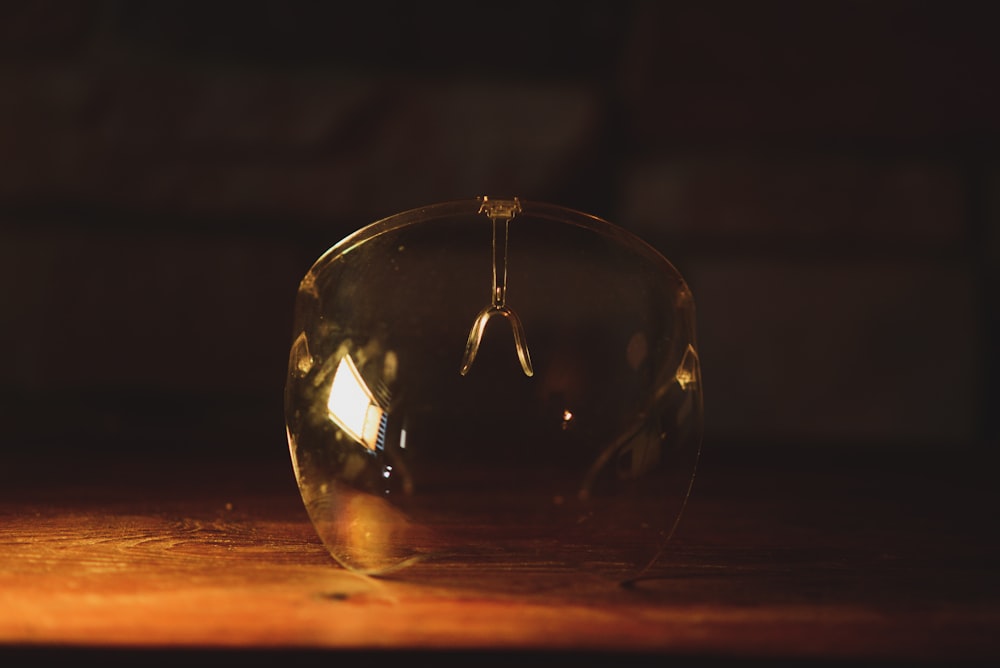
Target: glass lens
(501, 382)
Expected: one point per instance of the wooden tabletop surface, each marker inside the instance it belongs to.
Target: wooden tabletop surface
(781, 555)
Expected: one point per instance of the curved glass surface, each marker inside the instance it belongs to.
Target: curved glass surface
(494, 381)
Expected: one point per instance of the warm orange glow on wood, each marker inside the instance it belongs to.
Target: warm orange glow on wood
(793, 573)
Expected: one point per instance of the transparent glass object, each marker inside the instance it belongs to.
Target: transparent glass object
(494, 382)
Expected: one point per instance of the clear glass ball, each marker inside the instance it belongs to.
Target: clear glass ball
(497, 382)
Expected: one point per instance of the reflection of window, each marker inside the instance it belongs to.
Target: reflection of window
(353, 407)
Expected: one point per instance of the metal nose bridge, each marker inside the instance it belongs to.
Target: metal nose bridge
(500, 213)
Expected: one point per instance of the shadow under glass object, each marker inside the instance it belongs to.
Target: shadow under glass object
(494, 382)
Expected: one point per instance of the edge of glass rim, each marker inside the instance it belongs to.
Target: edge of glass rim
(553, 212)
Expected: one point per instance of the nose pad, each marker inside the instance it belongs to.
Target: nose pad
(476, 337)
(500, 213)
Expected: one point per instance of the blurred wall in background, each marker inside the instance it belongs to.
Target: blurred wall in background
(825, 174)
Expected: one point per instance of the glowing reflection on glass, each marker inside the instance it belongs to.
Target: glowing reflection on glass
(353, 407)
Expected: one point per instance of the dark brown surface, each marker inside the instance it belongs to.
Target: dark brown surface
(826, 175)
(781, 556)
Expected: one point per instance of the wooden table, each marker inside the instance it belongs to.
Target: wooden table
(795, 555)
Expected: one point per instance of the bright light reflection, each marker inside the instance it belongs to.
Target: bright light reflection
(352, 405)
(567, 418)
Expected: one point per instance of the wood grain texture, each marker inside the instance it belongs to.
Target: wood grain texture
(796, 561)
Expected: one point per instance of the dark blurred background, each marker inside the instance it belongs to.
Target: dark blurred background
(825, 174)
